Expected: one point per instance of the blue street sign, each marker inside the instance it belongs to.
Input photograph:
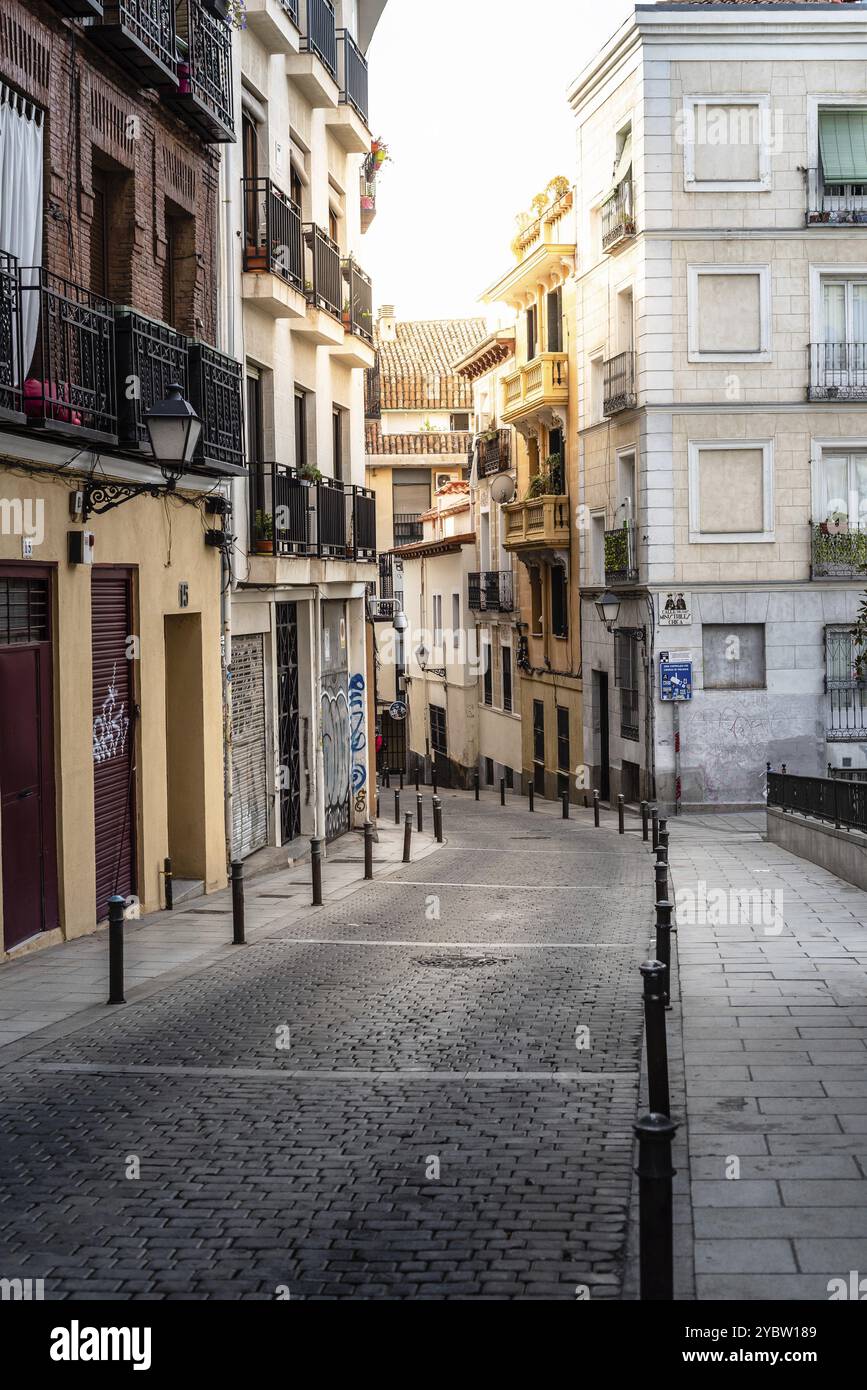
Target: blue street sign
(675, 679)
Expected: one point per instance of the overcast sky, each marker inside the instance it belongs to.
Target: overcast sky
(470, 96)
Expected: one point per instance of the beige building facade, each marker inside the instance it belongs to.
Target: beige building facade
(722, 245)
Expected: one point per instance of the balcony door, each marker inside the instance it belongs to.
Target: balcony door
(844, 338)
(842, 490)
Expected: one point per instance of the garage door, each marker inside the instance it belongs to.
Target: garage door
(249, 763)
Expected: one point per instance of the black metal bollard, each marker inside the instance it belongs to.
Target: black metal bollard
(621, 828)
(387, 781)
(438, 819)
(116, 907)
(596, 809)
(419, 810)
(644, 821)
(531, 794)
(476, 783)
(663, 835)
(654, 825)
(663, 943)
(401, 779)
(368, 849)
(416, 777)
(397, 808)
(433, 778)
(316, 870)
(564, 799)
(407, 836)
(655, 1206)
(653, 972)
(238, 928)
(169, 882)
(660, 891)
(502, 791)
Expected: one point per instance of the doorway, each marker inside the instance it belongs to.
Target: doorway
(185, 746)
(600, 706)
(114, 717)
(287, 729)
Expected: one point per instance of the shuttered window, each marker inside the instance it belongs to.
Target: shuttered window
(843, 144)
(23, 611)
(555, 320)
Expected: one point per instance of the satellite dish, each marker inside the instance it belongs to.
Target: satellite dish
(503, 489)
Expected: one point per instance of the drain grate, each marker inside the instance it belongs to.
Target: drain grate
(460, 962)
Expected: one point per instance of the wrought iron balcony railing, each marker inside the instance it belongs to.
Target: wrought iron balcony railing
(141, 36)
(619, 383)
(272, 232)
(323, 276)
(153, 356)
(491, 591)
(11, 388)
(408, 528)
(836, 204)
(215, 391)
(79, 9)
(320, 35)
(621, 559)
(204, 93)
(70, 381)
(281, 511)
(838, 554)
(838, 372)
(352, 74)
(618, 216)
(825, 798)
(291, 8)
(495, 454)
(358, 301)
(373, 392)
(391, 577)
(363, 539)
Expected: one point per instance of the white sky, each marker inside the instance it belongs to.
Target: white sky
(470, 96)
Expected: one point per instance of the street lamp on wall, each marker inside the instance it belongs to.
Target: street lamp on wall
(608, 608)
(174, 430)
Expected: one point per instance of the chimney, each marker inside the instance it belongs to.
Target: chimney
(386, 323)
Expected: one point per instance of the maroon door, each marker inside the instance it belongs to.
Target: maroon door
(113, 736)
(26, 757)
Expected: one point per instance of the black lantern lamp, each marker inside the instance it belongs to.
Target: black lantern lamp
(608, 608)
(174, 430)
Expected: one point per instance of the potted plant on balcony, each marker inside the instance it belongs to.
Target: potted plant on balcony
(837, 523)
(264, 541)
(308, 473)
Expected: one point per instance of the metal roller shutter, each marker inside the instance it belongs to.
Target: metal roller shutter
(249, 765)
(113, 737)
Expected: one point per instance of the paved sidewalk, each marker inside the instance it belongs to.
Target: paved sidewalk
(50, 986)
(774, 1002)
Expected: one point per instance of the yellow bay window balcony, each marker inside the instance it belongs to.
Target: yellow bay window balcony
(543, 382)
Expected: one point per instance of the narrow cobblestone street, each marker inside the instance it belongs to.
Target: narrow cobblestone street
(381, 1098)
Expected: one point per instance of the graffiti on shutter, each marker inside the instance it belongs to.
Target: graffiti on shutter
(249, 763)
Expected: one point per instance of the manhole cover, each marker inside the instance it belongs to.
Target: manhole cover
(460, 962)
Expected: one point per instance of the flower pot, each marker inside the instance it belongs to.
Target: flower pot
(264, 547)
(255, 260)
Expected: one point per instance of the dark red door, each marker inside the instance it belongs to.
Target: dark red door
(113, 735)
(26, 757)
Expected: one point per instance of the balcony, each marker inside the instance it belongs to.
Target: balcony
(215, 392)
(838, 554)
(294, 516)
(357, 349)
(79, 9)
(203, 97)
(542, 383)
(140, 36)
(544, 252)
(70, 385)
(314, 69)
(618, 392)
(621, 555)
(835, 204)
(537, 523)
(11, 391)
(495, 452)
(273, 250)
(153, 356)
(373, 392)
(367, 192)
(348, 123)
(492, 591)
(408, 528)
(275, 24)
(391, 578)
(323, 288)
(618, 217)
(838, 372)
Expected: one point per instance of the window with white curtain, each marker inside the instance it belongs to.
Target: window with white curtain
(843, 488)
(844, 314)
(21, 204)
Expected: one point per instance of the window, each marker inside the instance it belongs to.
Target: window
(24, 611)
(841, 489)
(731, 491)
(411, 498)
(559, 601)
(626, 666)
(437, 620)
(733, 656)
(843, 155)
(846, 693)
(532, 317)
(489, 771)
(554, 302)
(487, 673)
(539, 747)
(563, 754)
(459, 421)
(597, 548)
(507, 676)
(557, 450)
(99, 234)
(456, 620)
(839, 365)
(597, 387)
(334, 226)
(535, 600)
(438, 740)
(337, 417)
(300, 429)
(726, 143)
(729, 313)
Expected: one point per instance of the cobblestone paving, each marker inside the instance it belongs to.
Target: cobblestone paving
(430, 1029)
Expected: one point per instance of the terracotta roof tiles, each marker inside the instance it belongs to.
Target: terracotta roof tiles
(417, 367)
